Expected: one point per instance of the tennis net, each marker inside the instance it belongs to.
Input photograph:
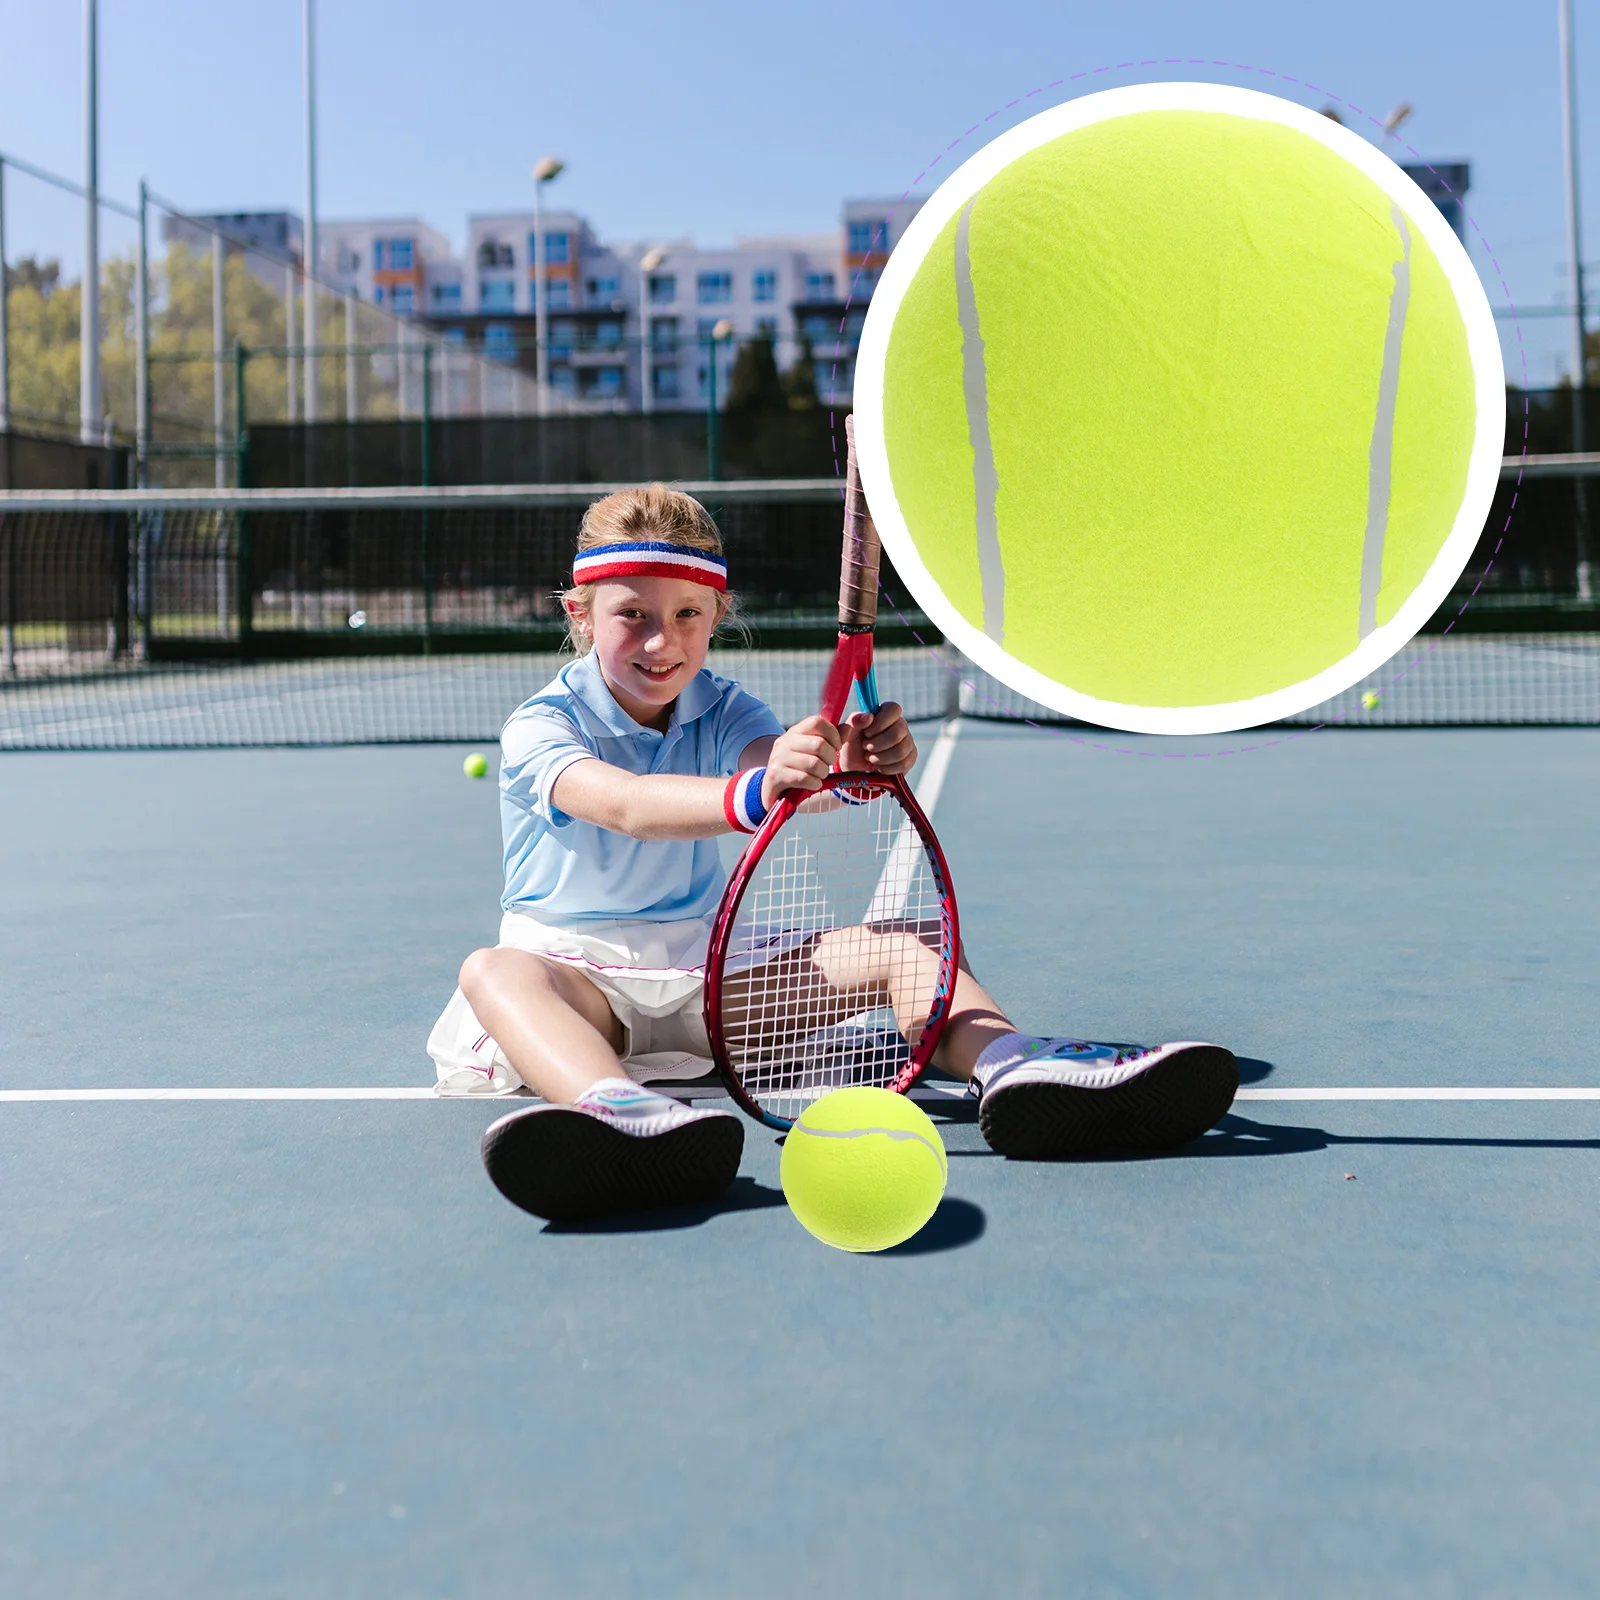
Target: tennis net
(158, 619)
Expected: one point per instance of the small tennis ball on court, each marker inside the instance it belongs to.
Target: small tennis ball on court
(863, 1169)
(1179, 407)
(1372, 700)
(475, 765)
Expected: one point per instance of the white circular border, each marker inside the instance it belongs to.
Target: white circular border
(1483, 344)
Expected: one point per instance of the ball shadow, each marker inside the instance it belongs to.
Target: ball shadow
(955, 1224)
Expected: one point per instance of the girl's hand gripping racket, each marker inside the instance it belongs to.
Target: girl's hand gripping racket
(833, 957)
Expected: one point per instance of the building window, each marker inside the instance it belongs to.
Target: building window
(820, 286)
(713, 288)
(863, 283)
(349, 261)
(500, 341)
(820, 325)
(664, 337)
(562, 380)
(403, 301)
(557, 294)
(664, 383)
(764, 284)
(557, 249)
(604, 383)
(377, 294)
(377, 255)
(561, 338)
(447, 296)
(766, 327)
(663, 289)
(494, 254)
(871, 235)
(497, 294)
(609, 334)
(400, 255)
(603, 289)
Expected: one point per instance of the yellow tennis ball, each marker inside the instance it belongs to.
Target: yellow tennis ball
(475, 765)
(1372, 700)
(1179, 408)
(863, 1169)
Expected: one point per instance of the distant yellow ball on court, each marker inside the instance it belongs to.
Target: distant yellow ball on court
(1371, 700)
(475, 765)
(863, 1169)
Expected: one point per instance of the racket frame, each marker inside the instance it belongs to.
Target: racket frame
(733, 896)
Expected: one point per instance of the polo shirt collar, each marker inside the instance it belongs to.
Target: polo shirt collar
(587, 685)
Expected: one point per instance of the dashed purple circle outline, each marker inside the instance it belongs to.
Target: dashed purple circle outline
(1522, 357)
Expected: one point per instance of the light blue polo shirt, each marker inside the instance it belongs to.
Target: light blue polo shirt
(561, 869)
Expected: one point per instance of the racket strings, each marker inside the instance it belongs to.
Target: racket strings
(842, 923)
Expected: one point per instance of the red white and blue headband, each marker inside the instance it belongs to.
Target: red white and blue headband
(650, 561)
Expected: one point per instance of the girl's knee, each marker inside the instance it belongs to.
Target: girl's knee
(484, 968)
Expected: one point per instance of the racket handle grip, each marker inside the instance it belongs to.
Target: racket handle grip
(858, 566)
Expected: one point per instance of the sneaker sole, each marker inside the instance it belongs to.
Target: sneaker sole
(1171, 1103)
(567, 1166)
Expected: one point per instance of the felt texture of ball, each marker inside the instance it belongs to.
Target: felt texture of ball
(1179, 408)
(863, 1169)
(475, 765)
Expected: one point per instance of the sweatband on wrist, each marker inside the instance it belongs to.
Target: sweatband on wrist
(650, 560)
(741, 800)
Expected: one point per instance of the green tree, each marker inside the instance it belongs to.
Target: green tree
(800, 381)
(755, 384)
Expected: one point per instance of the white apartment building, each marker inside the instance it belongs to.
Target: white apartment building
(386, 261)
(617, 334)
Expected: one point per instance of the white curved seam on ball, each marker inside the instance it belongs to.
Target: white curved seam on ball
(862, 1133)
(1380, 461)
(985, 477)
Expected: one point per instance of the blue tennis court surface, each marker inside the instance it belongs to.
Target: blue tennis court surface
(258, 1348)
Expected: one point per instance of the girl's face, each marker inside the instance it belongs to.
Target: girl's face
(650, 636)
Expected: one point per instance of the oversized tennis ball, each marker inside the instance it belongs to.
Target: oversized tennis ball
(475, 765)
(1179, 408)
(863, 1169)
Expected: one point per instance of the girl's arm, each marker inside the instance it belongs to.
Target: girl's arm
(667, 806)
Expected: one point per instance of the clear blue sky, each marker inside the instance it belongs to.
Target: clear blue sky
(714, 118)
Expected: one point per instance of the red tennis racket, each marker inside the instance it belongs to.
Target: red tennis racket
(834, 954)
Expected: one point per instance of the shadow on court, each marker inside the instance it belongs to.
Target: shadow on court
(1239, 1136)
(745, 1194)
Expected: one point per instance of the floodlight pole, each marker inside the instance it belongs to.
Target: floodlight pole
(546, 170)
(648, 263)
(1580, 366)
(141, 336)
(90, 423)
(310, 250)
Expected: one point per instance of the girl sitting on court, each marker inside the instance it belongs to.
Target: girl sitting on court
(615, 783)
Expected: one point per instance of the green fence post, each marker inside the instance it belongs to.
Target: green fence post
(241, 473)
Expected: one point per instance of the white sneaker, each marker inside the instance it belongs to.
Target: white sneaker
(620, 1148)
(1071, 1097)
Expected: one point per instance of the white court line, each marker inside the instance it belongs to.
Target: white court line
(953, 1091)
(1470, 1093)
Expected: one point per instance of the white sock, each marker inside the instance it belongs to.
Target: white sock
(1005, 1051)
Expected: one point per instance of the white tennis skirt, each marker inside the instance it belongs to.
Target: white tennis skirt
(651, 973)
